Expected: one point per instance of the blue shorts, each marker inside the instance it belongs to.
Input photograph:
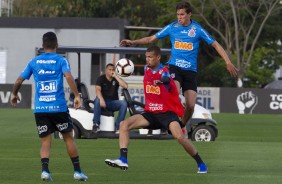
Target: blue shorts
(48, 123)
(160, 120)
(186, 78)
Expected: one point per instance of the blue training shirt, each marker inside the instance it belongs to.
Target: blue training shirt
(185, 42)
(48, 70)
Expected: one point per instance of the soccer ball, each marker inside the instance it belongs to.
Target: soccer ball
(124, 67)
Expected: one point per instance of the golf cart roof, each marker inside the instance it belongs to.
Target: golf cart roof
(118, 50)
(99, 50)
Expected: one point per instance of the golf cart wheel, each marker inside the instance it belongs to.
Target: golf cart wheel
(203, 133)
(75, 133)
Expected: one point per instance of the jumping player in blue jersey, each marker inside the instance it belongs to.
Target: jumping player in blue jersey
(185, 36)
(50, 109)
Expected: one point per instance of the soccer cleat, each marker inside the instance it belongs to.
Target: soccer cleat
(79, 176)
(46, 176)
(96, 128)
(120, 163)
(202, 168)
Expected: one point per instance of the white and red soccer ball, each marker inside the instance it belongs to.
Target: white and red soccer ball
(124, 67)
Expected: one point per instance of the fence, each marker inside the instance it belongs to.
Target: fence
(216, 100)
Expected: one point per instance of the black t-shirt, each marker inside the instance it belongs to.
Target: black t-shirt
(109, 88)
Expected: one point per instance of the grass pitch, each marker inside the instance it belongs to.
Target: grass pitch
(248, 150)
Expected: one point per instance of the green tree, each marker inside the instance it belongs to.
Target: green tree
(245, 28)
(238, 25)
(260, 70)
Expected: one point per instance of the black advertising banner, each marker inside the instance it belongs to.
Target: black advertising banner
(24, 94)
(250, 101)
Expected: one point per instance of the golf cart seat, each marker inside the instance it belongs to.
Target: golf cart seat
(131, 103)
(83, 90)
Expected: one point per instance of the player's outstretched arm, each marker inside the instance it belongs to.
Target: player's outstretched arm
(230, 67)
(142, 41)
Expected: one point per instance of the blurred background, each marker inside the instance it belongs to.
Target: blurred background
(249, 31)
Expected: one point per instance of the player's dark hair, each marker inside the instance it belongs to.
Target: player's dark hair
(110, 64)
(154, 49)
(49, 40)
(184, 5)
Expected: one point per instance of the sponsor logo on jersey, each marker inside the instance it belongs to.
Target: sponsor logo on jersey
(153, 89)
(184, 32)
(46, 61)
(48, 108)
(62, 126)
(42, 72)
(42, 129)
(192, 32)
(47, 86)
(155, 107)
(183, 45)
(182, 63)
(48, 98)
(156, 82)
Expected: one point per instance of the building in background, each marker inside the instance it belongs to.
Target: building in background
(6, 8)
(19, 38)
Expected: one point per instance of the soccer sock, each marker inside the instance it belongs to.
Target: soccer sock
(44, 164)
(123, 152)
(76, 165)
(198, 158)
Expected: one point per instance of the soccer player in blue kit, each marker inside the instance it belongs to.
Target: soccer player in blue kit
(50, 109)
(185, 36)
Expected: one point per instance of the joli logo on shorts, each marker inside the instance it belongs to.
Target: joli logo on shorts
(62, 126)
(42, 129)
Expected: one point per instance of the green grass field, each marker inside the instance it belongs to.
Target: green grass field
(248, 150)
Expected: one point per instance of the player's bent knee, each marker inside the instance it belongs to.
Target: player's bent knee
(180, 138)
(123, 126)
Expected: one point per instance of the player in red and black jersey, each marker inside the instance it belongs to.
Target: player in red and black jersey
(158, 86)
(162, 110)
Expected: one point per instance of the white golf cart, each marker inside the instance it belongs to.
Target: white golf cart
(201, 126)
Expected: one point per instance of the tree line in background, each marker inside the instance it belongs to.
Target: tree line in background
(249, 30)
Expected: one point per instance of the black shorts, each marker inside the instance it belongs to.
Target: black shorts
(160, 120)
(48, 123)
(186, 78)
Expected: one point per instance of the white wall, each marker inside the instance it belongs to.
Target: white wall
(19, 38)
(20, 44)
